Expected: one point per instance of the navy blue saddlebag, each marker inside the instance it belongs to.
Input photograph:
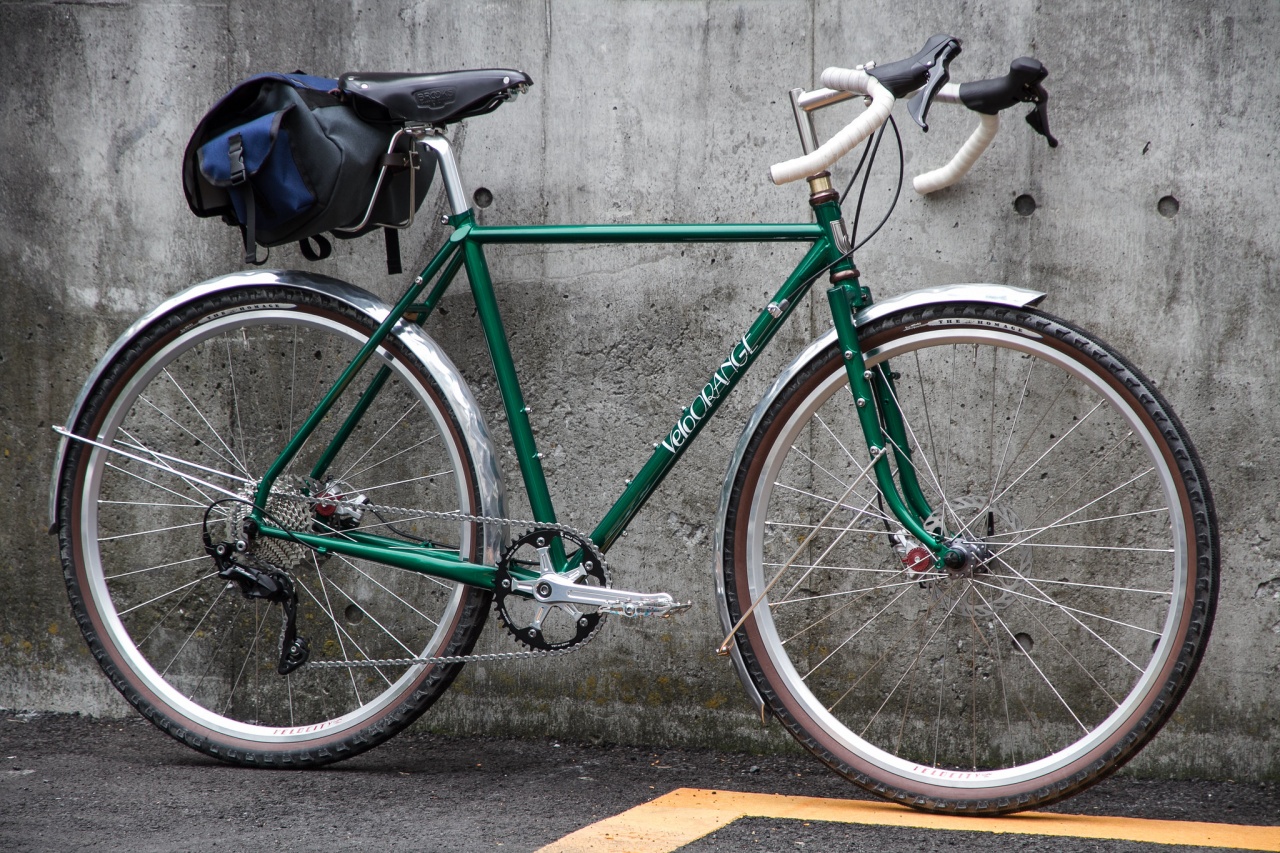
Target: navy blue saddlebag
(285, 158)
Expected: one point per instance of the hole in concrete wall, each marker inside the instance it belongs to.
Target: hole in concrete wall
(1168, 207)
(1023, 643)
(353, 614)
(1025, 205)
(482, 197)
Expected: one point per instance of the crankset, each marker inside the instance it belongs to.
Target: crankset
(557, 610)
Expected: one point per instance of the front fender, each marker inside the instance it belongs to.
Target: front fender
(994, 294)
(452, 385)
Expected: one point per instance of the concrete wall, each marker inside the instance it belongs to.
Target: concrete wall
(666, 110)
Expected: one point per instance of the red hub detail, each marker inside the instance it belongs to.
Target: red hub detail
(325, 510)
(918, 559)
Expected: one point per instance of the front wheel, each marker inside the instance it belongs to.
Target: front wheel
(1064, 642)
(194, 409)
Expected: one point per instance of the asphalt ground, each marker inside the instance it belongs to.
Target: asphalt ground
(72, 783)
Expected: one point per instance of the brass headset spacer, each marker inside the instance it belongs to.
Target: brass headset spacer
(844, 275)
(820, 190)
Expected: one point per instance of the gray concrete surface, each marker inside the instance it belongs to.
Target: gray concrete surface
(69, 783)
(670, 111)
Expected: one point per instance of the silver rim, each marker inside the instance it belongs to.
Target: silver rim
(1009, 674)
(225, 396)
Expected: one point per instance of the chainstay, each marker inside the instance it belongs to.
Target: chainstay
(489, 657)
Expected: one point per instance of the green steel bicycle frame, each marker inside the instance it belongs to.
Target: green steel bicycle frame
(881, 423)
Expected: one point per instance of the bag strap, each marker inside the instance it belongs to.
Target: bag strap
(322, 250)
(244, 190)
(393, 251)
(396, 161)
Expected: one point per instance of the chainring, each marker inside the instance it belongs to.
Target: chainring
(539, 625)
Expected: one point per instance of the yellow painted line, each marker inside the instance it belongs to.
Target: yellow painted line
(687, 814)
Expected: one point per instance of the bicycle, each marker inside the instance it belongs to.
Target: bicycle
(966, 554)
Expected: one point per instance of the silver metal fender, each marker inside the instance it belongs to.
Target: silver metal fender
(454, 387)
(995, 294)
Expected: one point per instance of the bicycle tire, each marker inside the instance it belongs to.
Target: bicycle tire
(223, 382)
(1055, 661)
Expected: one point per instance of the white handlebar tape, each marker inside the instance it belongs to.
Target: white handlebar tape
(848, 80)
(964, 159)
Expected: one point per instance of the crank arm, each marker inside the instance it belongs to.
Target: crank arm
(562, 588)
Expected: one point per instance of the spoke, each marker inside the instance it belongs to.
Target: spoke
(147, 462)
(1026, 544)
(228, 457)
(340, 631)
(234, 459)
(185, 562)
(378, 441)
(895, 572)
(844, 592)
(293, 383)
(840, 504)
(235, 396)
(176, 606)
(1070, 612)
(1021, 577)
(147, 532)
(796, 555)
(875, 529)
(1075, 610)
(394, 595)
(1052, 447)
(846, 642)
(910, 667)
(387, 459)
(1034, 532)
(333, 617)
(137, 444)
(164, 595)
(248, 656)
(331, 582)
(1086, 476)
(191, 633)
(996, 616)
(1013, 427)
(364, 490)
(1117, 517)
(190, 505)
(134, 444)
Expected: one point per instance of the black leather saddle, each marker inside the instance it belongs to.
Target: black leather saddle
(438, 99)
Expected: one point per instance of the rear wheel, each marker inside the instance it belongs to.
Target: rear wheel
(1067, 639)
(196, 408)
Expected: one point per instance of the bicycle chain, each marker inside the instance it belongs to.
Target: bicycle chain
(491, 657)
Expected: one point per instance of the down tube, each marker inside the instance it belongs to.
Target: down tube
(723, 380)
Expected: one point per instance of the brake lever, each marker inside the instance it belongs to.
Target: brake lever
(927, 72)
(1038, 118)
(939, 74)
(1024, 84)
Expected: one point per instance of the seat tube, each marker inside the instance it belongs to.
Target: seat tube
(527, 455)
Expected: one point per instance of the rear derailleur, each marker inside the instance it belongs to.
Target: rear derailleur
(236, 564)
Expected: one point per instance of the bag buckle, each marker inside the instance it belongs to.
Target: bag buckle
(398, 161)
(235, 153)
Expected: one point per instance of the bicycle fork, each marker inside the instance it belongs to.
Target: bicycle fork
(875, 400)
